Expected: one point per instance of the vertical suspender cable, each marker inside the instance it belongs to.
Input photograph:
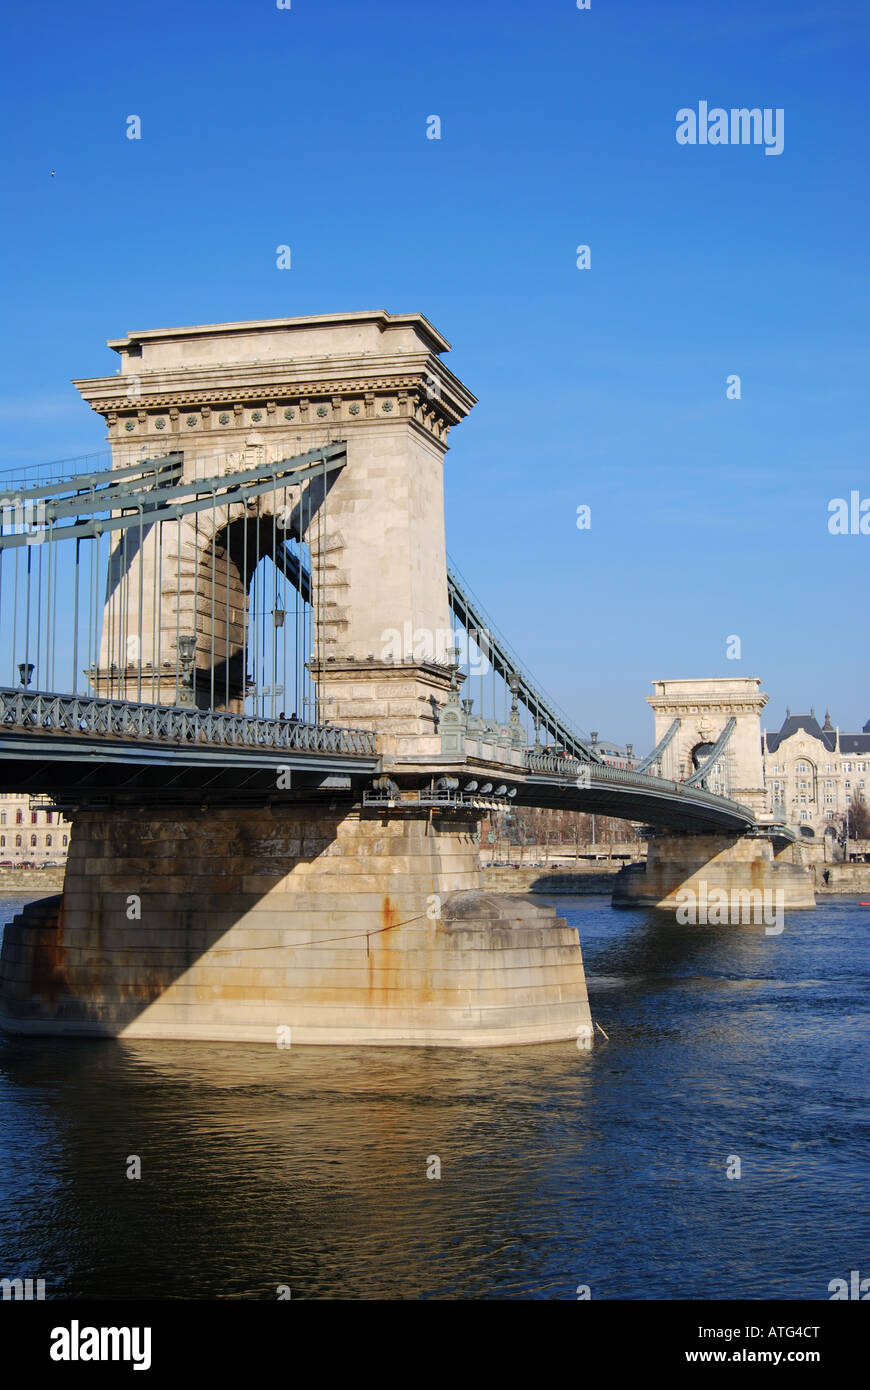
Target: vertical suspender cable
(178, 609)
(246, 626)
(196, 583)
(158, 612)
(321, 654)
(29, 550)
(155, 622)
(140, 636)
(275, 628)
(286, 592)
(227, 535)
(93, 542)
(257, 602)
(39, 665)
(307, 699)
(14, 620)
(213, 586)
(108, 628)
(75, 650)
(124, 623)
(54, 556)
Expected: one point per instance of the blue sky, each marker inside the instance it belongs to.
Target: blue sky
(605, 386)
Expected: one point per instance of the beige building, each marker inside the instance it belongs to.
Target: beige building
(30, 831)
(814, 773)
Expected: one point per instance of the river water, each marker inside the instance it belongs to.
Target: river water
(558, 1167)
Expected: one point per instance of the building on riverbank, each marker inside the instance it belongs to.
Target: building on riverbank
(615, 754)
(32, 832)
(814, 775)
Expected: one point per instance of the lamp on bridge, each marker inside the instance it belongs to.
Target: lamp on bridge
(453, 662)
(518, 736)
(25, 672)
(187, 652)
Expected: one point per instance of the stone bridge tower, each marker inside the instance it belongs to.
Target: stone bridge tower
(704, 708)
(233, 395)
(756, 874)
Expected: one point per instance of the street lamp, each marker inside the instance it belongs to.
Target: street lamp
(25, 671)
(187, 652)
(452, 655)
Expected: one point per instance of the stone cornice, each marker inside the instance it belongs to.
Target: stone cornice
(670, 704)
(425, 380)
(280, 392)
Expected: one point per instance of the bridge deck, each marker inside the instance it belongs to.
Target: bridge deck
(71, 747)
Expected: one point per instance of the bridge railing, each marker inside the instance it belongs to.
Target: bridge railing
(71, 714)
(603, 773)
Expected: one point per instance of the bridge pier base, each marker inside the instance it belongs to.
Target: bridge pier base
(291, 925)
(719, 878)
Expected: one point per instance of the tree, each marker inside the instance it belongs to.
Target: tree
(859, 819)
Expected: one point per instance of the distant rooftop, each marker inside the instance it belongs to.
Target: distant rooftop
(826, 734)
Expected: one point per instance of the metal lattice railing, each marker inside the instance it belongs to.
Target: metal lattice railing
(168, 724)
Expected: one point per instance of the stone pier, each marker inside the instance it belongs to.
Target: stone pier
(707, 865)
(305, 924)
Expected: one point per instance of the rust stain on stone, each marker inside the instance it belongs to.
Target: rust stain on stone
(380, 952)
(48, 977)
(389, 916)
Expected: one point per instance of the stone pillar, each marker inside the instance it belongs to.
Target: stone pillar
(738, 876)
(231, 396)
(336, 925)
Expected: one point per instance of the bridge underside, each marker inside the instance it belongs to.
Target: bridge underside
(669, 807)
(81, 772)
(88, 770)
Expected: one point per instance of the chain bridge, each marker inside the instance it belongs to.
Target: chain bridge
(239, 659)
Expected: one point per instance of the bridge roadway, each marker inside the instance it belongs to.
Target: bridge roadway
(81, 750)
